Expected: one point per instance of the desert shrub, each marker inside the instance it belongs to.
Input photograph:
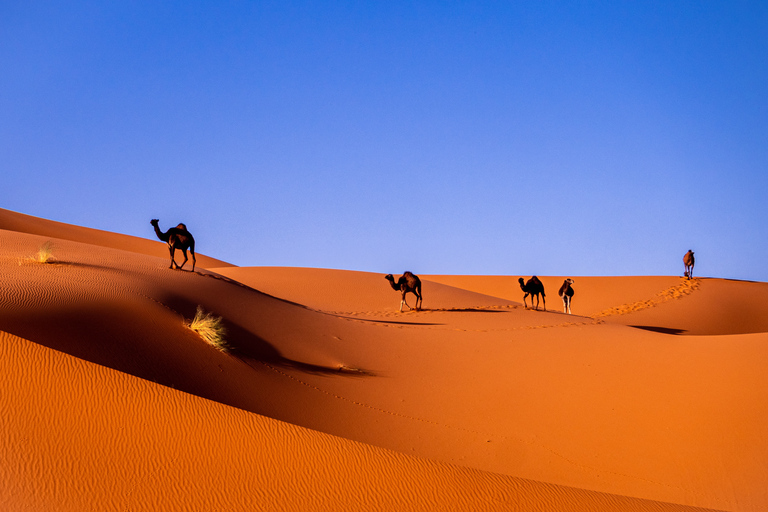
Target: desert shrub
(210, 328)
(43, 255)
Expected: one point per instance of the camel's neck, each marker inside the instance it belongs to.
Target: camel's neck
(162, 236)
(394, 284)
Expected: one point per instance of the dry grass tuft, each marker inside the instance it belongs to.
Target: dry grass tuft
(209, 328)
(44, 255)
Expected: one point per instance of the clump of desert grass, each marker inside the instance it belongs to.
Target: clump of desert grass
(43, 255)
(210, 328)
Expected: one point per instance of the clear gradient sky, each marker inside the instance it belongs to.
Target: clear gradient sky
(516, 138)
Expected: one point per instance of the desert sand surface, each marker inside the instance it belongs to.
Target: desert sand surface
(653, 395)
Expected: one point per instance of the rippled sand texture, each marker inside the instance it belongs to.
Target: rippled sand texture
(652, 396)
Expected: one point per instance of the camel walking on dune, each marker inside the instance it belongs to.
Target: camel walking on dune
(177, 238)
(533, 287)
(566, 292)
(407, 283)
(688, 261)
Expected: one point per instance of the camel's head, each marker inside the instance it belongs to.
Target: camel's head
(389, 277)
(521, 281)
(569, 281)
(154, 222)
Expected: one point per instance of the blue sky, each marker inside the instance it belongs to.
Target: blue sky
(516, 138)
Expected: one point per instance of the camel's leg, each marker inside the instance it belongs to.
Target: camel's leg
(418, 298)
(525, 304)
(544, 301)
(172, 250)
(192, 251)
(184, 252)
(565, 303)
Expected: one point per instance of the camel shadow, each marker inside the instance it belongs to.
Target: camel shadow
(663, 330)
(468, 310)
(376, 321)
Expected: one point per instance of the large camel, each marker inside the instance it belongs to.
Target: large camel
(407, 283)
(533, 288)
(177, 238)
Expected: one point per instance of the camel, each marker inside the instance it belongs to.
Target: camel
(566, 292)
(688, 261)
(408, 282)
(177, 238)
(533, 288)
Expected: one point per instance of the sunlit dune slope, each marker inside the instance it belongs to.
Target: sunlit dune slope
(662, 303)
(474, 385)
(13, 221)
(78, 436)
(347, 291)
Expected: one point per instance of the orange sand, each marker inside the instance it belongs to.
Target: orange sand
(651, 396)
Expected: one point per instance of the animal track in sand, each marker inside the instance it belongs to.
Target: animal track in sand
(684, 289)
(381, 319)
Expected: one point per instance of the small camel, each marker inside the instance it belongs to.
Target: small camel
(533, 288)
(408, 283)
(688, 261)
(566, 292)
(177, 238)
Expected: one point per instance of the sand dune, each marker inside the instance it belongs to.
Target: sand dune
(18, 222)
(718, 306)
(332, 399)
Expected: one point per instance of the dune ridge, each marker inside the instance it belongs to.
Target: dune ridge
(475, 400)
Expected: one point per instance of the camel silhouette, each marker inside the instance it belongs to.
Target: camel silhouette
(408, 283)
(688, 261)
(566, 292)
(177, 238)
(533, 288)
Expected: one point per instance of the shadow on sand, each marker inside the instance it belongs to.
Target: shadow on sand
(663, 330)
(250, 347)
